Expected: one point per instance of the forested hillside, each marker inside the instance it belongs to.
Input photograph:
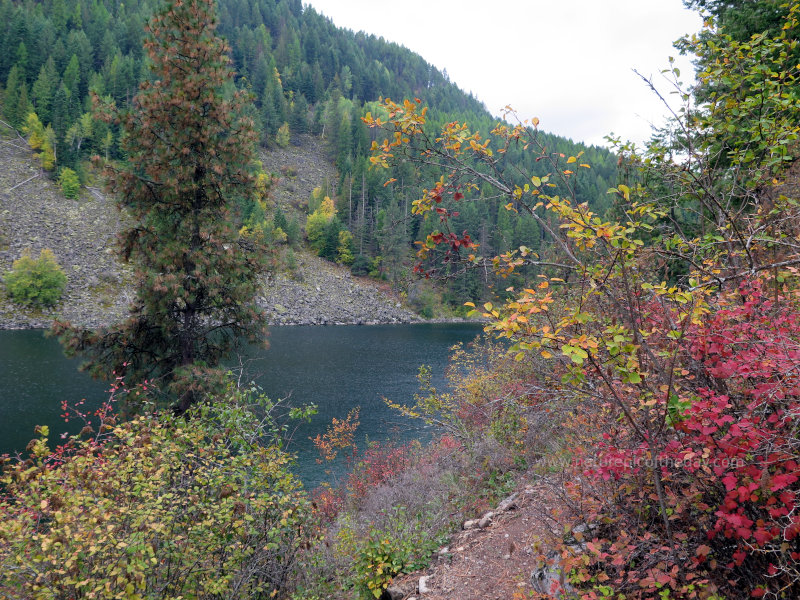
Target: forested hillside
(638, 383)
(306, 76)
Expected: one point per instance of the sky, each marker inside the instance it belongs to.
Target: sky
(567, 62)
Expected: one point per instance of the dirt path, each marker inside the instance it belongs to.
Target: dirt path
(501, 555)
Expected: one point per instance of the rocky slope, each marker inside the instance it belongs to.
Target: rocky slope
(35, 215)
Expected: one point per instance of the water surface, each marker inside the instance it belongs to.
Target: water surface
(336, 368)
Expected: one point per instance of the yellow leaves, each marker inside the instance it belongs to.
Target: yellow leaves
(114, 510)
(536, 181)
(571, 160)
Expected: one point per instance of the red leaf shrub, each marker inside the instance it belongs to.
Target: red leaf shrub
(727, 463)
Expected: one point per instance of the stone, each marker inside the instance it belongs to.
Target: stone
(394, 592)
(508, 503)
(549, 576)
(423, 585)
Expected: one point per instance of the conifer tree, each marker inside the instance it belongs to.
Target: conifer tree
(190, 155)
(11, 96)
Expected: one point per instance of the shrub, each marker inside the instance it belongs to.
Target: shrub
(38, 282)
(69, 182)
(344, 250)
(402, 546)
(165, 507)
(40, 138)
(388, 517)
(318, 225)
(283, 137)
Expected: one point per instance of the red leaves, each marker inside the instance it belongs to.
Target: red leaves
(729, 467)
(782, 480)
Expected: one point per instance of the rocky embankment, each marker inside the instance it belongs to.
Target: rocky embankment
(35, 215)
(82, 233)
(321, 293)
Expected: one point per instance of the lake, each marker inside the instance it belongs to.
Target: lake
(336, 368)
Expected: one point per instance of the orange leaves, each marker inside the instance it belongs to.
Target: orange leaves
(338, 436)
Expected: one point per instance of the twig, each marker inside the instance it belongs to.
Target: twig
(95, 192)
(23, 182)
(15, 145)
(12, 128)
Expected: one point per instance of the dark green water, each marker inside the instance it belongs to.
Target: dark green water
(336, 368)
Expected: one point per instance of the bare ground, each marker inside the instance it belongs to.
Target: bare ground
(507, 559)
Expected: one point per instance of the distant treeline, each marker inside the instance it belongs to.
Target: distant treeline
(306, 76)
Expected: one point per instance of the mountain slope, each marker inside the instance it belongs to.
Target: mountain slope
(307, 76)
(82, 234)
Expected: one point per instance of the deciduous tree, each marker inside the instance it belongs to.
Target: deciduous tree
(685, 390)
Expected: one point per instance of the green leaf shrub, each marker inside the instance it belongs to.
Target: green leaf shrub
(283, 137)
(402, 546)
(36, 282)
(69, 182)
(165, 507)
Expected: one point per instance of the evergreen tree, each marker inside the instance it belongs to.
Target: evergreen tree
(298, 118)
(23, 106)
(44, 88)
(190, 154)
(11, 96)
(72, 75)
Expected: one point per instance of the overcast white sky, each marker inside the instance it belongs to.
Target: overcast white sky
(567, 62)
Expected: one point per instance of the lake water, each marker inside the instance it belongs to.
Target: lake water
(336, 368)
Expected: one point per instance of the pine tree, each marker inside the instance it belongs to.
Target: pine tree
(11, 96)
(44, 88)
(190, 155)
(23, 105)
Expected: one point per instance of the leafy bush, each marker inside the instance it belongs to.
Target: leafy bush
(319, 225)
(69, 182)
(162, 507)
(40, 138)
(388, 515)
(401, 546)
(344, 251)
(38, 282)
(728, 464)
(283, 137)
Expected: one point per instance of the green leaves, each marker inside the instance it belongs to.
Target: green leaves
(36, 282)
(161, 510)
(575, 353)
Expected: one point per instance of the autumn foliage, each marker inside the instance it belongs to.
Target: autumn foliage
(155, 507)
(666, 329)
